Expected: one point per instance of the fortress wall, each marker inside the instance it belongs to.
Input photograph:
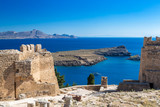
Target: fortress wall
(35, 68)
(132, 86)
(149, 42)
(23, 67)
(32, 85)
(27, 72)
(47, 70)
(47, 67)
(7, 73)
(150, 60)
(152, 77)
(152, 48)
(150, 68)
(40, 70)
(30, 88)
(28, 80)
(38, 48)
(141, 65)
(27, 51)
(149, 75)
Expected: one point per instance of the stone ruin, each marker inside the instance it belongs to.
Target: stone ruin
(149, 74)
(104, 82)
(27, 73)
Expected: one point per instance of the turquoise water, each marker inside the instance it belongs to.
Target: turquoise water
(115, 68)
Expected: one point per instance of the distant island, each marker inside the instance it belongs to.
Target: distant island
(87, 57)
(34, 34)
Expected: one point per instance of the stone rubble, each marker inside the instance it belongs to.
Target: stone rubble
(89, 98)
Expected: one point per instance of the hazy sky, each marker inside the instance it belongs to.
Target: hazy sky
(82, 17)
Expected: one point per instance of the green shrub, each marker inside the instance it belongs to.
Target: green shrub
(60, 79)
(90, 80)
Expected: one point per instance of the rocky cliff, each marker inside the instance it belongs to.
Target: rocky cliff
(34, 34)
(87, 57)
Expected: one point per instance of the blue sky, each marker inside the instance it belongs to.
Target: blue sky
(99, 18)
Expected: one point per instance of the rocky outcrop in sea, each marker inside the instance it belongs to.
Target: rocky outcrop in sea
(134, 58)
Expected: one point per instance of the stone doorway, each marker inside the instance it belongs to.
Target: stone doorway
(151, 85)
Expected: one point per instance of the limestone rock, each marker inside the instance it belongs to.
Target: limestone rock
(21, 96)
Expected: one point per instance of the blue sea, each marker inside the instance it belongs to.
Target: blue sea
(115, 68)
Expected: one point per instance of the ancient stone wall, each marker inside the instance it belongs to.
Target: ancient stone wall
(47, 69)
(149, 75)
(38, 48)
(28, 72)
(27, 51)
(26, 86)
(132, 86)
(35, 68)
(7, 73)
(46, 65)
(150, 60)
(104, 82)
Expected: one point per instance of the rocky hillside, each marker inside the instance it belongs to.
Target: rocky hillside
(81, 97)
(87, 57)
(34, 34)
(107, 98)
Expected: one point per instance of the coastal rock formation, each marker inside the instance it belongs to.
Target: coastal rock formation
(77, 60)
(115, 51)
(87, 57)
(27, 73)
(34, 34)
(134, 58)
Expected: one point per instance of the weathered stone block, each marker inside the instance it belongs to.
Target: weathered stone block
(23, 48)
(104, 82)
(38, 47)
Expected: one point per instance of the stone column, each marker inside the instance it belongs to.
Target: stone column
(104, 82)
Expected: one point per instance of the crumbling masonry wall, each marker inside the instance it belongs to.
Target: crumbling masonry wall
(7, 71)
(149, 75)
(29, 71)
(150, 62)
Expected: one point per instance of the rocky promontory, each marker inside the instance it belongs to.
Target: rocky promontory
(87, 57)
